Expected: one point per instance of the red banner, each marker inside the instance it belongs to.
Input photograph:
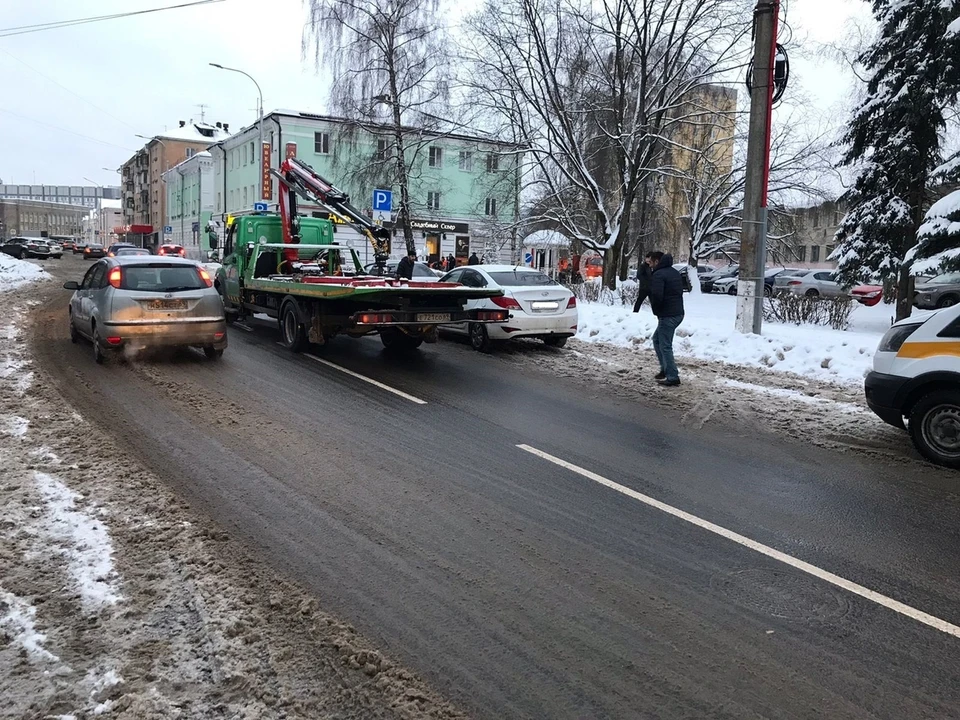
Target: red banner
(266, 184)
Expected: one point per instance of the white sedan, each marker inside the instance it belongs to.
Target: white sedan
(539, 307)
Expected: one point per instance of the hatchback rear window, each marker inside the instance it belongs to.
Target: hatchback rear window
(521, 278)
(157, 277)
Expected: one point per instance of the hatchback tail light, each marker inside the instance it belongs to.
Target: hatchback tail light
(115, 277)
(506, 302)
(205, 276)
(572, 302)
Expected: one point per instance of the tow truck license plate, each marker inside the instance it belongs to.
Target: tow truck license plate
(168, 305)
(433, 317)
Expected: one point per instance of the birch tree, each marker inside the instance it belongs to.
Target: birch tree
(595, 88)
(390, 69)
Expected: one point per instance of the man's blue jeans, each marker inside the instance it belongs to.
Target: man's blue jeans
(663, 345)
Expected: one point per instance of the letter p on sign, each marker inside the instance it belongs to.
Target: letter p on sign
(382, 200)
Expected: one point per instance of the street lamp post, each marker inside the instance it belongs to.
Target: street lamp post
(260, 114)
(99, 208)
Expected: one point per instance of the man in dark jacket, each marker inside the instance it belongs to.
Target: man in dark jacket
(405, 266)
(666, 299)
(451, 263)
(644, 273)
(473, 260)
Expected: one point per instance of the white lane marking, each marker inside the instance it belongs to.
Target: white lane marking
(867, 593)
(351, 373)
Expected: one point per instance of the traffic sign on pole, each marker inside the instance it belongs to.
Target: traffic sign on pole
(383, 200)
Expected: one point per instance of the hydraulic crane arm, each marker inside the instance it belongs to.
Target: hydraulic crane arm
(297, 177)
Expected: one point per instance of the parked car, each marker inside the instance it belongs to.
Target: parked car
(171, 249)
(132, 303)
(121, 252)
(539, 306)
(818, 283)
(112, 250)
(939, 292)
(16, 247)
(916, 376)
(421, 271)
(781, 281)
(43, 249)
(868, 295)
(725, 285)
(94, 250)
(707, 280)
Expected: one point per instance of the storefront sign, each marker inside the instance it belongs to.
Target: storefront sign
(290, 151)
(266, 184)
(440, 226)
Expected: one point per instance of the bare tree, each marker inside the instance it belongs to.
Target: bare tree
(712, 182)
(594, 88)
(390, 72)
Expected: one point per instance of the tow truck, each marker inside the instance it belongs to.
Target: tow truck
(289, 267)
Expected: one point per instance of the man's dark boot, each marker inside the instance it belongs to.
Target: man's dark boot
(660, 376)
(668, 383)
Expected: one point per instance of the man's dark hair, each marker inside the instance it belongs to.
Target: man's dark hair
(656, 255)
(648, 256)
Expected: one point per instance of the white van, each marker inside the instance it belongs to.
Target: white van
(916, 376)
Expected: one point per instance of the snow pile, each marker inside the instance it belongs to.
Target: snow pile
(13, 425)
(17, 622)
(84, 542)
(707, 333)
(14, 273)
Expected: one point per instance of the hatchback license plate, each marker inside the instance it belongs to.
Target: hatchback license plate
(168, 305)
(433, 317)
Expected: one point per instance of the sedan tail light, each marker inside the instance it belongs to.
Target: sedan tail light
(115, 277)
(205, 276)
(572, 302)
(506, 302)
(795, 282)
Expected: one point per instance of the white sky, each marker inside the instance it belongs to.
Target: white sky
(109, 81)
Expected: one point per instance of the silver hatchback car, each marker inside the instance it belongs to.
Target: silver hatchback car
(136, 302)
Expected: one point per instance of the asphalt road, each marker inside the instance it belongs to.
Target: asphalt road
(522, 588)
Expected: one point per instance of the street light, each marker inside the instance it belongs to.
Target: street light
(260, 118)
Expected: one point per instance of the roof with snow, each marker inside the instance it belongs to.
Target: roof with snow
(200, 132)
(546, 238)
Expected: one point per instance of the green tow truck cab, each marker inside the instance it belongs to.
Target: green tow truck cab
(326, 292)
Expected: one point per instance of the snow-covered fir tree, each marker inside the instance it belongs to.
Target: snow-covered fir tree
(895, 136)
(938, 239)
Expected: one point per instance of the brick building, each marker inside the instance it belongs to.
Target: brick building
(32, 218)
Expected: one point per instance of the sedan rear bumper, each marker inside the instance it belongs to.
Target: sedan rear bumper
(164, 333)
(523, 325)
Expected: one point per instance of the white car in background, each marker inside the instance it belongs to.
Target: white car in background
(539, 306)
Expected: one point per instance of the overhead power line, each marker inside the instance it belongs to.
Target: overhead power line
(40, 27)
(61, 129)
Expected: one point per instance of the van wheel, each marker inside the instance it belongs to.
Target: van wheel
(291, 329)
(935, 427)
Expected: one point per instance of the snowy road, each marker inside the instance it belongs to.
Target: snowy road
(544, 584)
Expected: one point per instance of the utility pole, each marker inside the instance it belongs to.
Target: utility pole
(753, 238)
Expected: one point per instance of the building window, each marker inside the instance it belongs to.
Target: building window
(190, 153)
(436, 156)
(381, 150)
(466, 160)
(244, 196)
(493, 163)
(814, 253)
(802, 253)
(490, 207)
(830, 249)
(433, 201)
(219, 207)
(253, 152)
(321, 143)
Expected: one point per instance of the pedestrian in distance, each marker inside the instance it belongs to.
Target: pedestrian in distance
(451, 262)
(405, 266)
(644, 274)
(666, 300)
(474, 260)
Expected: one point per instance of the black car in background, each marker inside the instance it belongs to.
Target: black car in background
(16, 247)
(94, 250)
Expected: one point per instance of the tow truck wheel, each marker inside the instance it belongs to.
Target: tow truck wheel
(394, 339)
(935, 427)
(291, 329)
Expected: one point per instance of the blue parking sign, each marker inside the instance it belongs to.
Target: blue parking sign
(382, 200)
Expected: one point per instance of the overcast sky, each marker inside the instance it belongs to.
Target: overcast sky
(75, 99)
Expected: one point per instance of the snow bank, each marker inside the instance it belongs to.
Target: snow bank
(14, 273)
(84, 541)
(17, 621)
(708, 333)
